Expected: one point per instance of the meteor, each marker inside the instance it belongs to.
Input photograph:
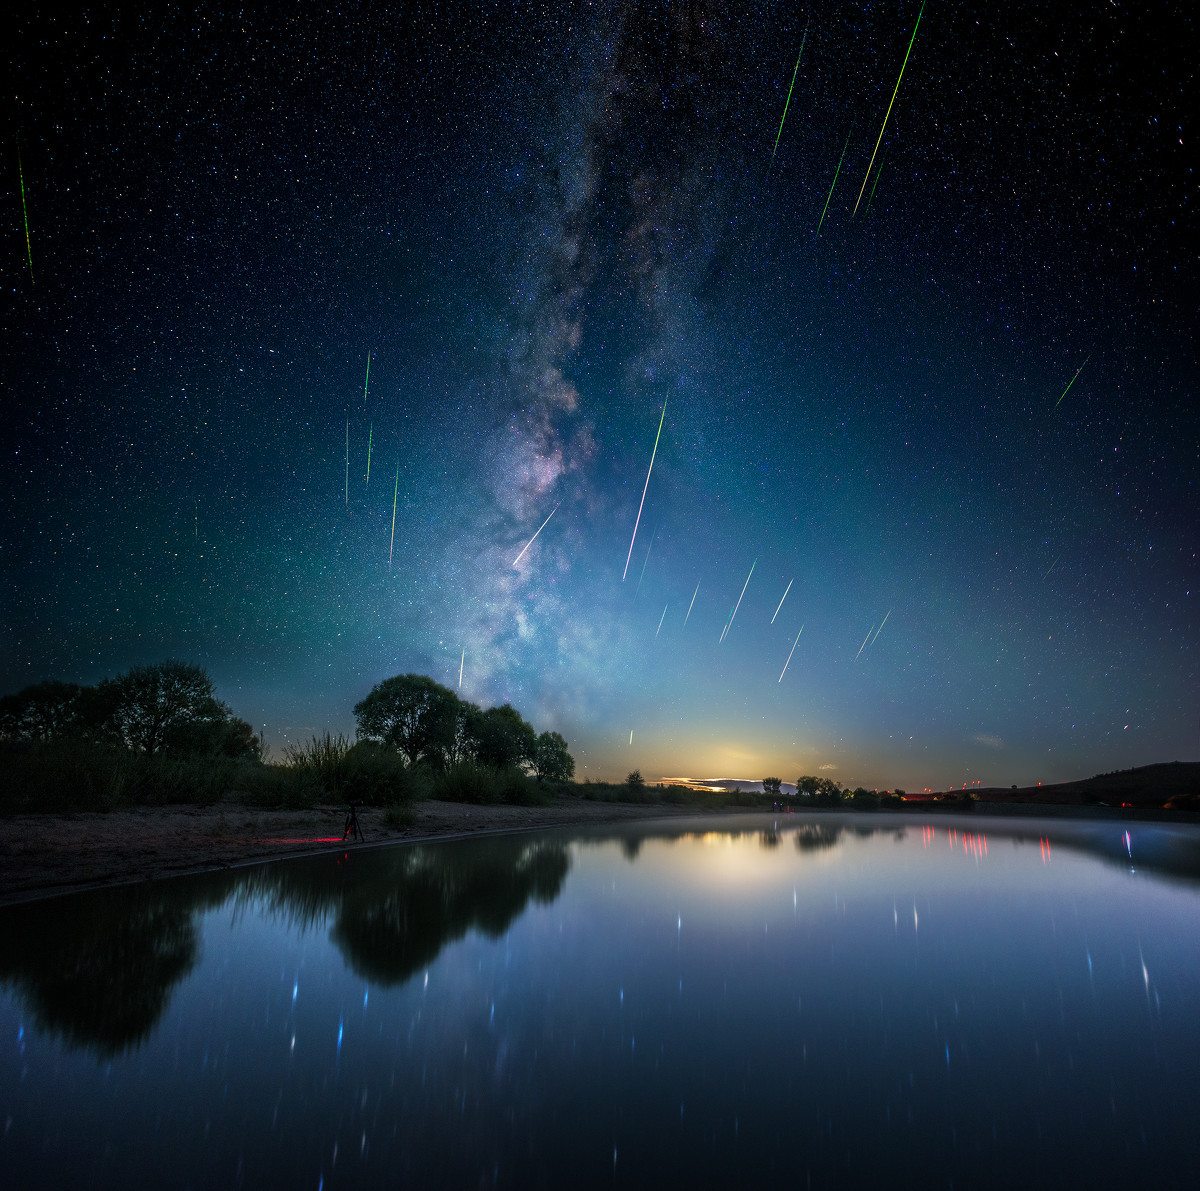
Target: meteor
(25, 213)
(660, 620)
(889, 109)
(462, 662)
(539, 530)
(865, 640)
(647, 485)
(871, 196)
(1072, 381)
(370, 435)
(782, 598)
(347, 463)
(739, 600)
(835, 178)
(880, 629)
(788, 101)
(395, 494)
(367, 381)
(789, 657)
(645, 563)
(689, 611)
(1051, 567)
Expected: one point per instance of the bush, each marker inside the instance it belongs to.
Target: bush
(399, 816)
(468, 781)
(330, 767)
(78, 775)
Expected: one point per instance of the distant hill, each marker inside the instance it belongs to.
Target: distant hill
(1174, 785)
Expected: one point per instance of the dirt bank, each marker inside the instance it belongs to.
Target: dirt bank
(42, 855)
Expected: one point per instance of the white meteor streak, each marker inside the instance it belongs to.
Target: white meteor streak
(462, 662)
(880, 629)
(739, 603)
(864, 644)
(645, 486)
(539, 530)
(689, 611)
(660, 620)
(782, 598)
(789, 660)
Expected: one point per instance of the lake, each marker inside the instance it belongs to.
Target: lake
(798, 1000)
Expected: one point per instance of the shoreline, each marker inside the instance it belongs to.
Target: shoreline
(50, 855)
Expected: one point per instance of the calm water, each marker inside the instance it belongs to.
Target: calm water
(830, 1002)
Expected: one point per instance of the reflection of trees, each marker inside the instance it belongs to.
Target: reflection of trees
(815, 837)
(388, 934)
(99, 969)
(768, 839)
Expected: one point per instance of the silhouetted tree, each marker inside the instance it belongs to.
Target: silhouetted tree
(412, 714)
(551, 761)
(772, 786)
(40, 712)
(635, 781)
(171, 705)
(503, 738)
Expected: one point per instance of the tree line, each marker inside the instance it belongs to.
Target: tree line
(427, 723)
(159, 734)
(169, 707)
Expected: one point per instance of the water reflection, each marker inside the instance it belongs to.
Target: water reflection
(97, 970)
(980, 1002)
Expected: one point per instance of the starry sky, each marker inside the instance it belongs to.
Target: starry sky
(543, 223)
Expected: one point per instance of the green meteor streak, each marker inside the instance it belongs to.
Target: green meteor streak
(788, 101)
(367, 381)
(395, 494)
(889, 110)
(835, 178)
(370, 434)
(1072, 381)
(25, 213)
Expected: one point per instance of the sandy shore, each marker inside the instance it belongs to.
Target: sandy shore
(44, 855)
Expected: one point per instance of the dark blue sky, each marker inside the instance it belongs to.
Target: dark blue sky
(543, 223)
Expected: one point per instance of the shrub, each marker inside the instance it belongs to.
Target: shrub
(399, 816)
(468, 781)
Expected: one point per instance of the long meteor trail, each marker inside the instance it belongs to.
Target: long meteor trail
(645, 563)
(782, 598)
(1071, 382)
(533, 539)
(789, 657)
(645, 486)
(835, 178)
(889, 109)
(395, 494)
(25, 213)
(865, 640)
(367, 381)
(370, 436)
(787, 102)
(739, 602)
(880, 629)
(689, 611)
(660, 620)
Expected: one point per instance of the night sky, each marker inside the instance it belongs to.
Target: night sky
(542, 222)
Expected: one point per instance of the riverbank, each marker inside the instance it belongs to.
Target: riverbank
(46, 855)
(51, 854)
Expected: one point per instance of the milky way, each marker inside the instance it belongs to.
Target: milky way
(543, 226)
